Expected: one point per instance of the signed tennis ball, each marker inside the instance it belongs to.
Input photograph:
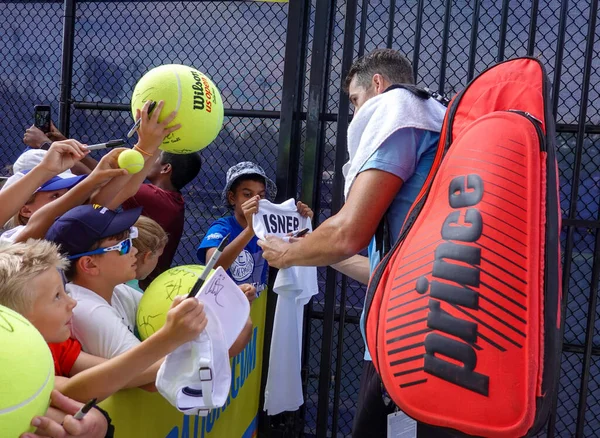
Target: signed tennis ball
(158, 297)
(26, 374)
(195, 98)
(131, 160)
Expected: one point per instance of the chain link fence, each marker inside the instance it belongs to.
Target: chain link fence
(242, 47)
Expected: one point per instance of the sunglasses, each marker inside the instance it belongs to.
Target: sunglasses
(124, 246)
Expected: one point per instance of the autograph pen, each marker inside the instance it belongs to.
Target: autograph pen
(137, 123)
(108, 144)
(300, 233)
(84, 410)
(211, 262)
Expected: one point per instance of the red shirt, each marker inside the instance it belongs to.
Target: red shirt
(65, 354)
(166, 208)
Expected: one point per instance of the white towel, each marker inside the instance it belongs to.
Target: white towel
(379, 118)
(294, 287)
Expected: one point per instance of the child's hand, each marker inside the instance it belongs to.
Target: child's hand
(63, 155)
(93, 425)
(151, 132)
(185, 320)
(249, 291)
(304, 210)
(108, 167)
(249, 208)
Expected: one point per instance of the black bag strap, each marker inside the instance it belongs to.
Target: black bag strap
(423, 93)
(382, 234)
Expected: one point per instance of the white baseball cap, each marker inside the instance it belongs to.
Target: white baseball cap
(31, 158)
(196, 377)
(28, 160)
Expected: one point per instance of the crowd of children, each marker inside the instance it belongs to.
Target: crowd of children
(78, 250)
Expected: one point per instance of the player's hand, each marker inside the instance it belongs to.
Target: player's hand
(34, 137)
(108, 167)
(274, 251)
(151, 132)
(93, 425)
(304, 210)
(185, 320)
(249, 208)
(63, 155)
(249, 291)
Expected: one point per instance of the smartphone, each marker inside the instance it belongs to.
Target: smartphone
(300, 233)
(41, 117)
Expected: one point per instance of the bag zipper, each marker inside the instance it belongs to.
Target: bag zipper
(537, 123)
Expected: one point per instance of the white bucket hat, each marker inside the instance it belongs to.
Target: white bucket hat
(196, 377)
(247, 168)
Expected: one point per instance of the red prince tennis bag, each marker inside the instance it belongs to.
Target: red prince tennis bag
(463, 314)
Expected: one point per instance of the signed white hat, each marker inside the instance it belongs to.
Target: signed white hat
(196, 377)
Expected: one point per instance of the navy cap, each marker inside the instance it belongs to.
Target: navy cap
(80, 228)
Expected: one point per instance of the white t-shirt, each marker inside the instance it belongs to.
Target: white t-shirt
(294, 287)
(9, 236)
(105, 330)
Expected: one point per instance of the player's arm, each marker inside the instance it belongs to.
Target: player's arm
(344, 234)
(185, 321)
(356, 267)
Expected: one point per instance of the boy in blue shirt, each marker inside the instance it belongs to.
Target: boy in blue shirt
(246, 184)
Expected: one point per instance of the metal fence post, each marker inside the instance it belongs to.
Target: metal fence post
(317, 96)
(338, 191)
(287, 156)
(66, 81)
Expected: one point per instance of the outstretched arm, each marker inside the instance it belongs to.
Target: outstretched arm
(343, 235)
(185, 321)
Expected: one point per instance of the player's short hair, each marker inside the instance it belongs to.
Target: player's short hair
(184, 167)
(389, 63)
(19, 264)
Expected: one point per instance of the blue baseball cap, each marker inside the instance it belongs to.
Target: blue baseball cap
(65, 180)
(80, 228)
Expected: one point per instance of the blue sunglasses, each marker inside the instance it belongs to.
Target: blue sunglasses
(123, 246)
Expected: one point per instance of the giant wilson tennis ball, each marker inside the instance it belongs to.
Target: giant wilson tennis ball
(26, 374)
(195, 98)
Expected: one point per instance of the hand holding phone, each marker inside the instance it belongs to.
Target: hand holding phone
(41, 117)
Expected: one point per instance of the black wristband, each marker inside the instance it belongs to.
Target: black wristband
(45, 145)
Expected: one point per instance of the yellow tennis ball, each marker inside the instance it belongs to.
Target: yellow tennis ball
(195, 98)
(26, 374)
(158, 297)
(131, 160)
